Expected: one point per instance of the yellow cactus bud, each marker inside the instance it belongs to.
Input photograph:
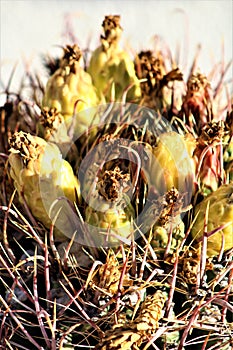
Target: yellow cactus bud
(113, 221)
(40, 175)
(220, 216)
(111, 67)
(109, 209)
(168, 223)
(171, 165)
(70, 89)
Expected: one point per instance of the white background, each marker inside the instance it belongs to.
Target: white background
(31, 27)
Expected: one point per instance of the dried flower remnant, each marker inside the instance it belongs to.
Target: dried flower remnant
(197, 103)
(207, 156)
(189, 266)
(112, 31)
(169, 228)
(53, 129)
(133, 333)
(50, 119)
(151, 70)
(113, 183)
(108, 277)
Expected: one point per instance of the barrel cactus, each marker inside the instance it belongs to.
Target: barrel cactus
(116, 218)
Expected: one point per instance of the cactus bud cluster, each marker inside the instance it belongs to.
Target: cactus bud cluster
(116, 204)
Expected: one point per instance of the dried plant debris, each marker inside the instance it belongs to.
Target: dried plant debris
(132, 334)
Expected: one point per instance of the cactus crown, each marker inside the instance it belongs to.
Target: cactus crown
(112, 31)
(24, 144)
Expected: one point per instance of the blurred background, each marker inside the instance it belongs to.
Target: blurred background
(31, 28)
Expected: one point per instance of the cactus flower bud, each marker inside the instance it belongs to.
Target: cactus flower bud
(70, 90)
(40, 175)
(220, 218)
(111, 67)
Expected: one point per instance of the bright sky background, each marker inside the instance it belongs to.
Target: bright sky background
(31, 27)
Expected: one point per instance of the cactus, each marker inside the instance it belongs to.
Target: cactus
(197, 103)
(137, 252)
